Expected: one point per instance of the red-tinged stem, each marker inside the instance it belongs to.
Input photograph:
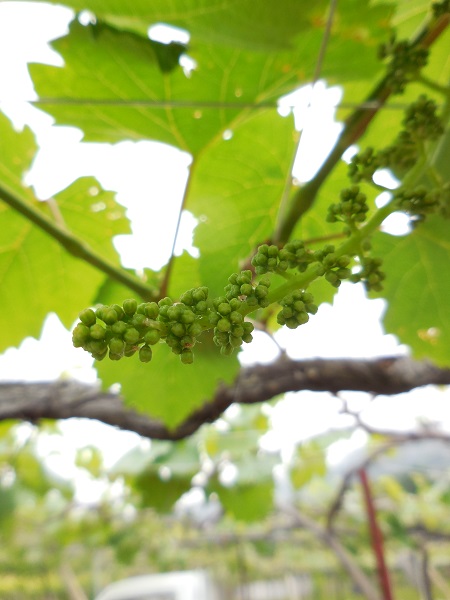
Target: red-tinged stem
(377, 538)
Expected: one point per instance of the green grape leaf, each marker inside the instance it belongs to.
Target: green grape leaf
(233, 444)
(409, 14)
(165, 389)
(181, 462)
(37, 275)
(184, 275)
(112, 292)
(248, 503)
(31, 474)
(259, 26)
(126, 95)
(158, 494)
(309, 462)
(250, 498)
(417, 288)
(138, 459)
(237, 209)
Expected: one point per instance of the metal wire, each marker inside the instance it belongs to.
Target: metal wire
(196, 104)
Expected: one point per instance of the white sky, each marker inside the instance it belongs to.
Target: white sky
(142, 172)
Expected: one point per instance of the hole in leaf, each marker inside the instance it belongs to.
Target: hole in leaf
(86, 17)
(166, 34)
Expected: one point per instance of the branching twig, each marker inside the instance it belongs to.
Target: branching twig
(394, 439)
(330, 539)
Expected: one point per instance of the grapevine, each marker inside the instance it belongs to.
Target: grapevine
(122, 330)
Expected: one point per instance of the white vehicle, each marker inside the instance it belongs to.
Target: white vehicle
(181, 585)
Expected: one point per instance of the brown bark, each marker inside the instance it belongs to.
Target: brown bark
(66, 399)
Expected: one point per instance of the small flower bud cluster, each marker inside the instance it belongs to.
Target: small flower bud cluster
(333, 267)
(364, 164)
(418, 202)
(351, 209)
(240, 286)
(406, 61)
(124, 330)
(230, 329)
(370, 274)
(421, 119)
(440, 8)
(296, 308)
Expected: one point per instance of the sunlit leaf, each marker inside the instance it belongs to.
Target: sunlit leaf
(417, 288)
(166, 389)
(37, 275)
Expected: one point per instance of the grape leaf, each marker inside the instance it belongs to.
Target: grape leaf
(245, 24)
(246, 502)
(417, 288)
(165, 389)
(157, 493)
(250, 498)
(308, 463)
(120, 67)
(37, 275)
(125, 95)
(235, 191)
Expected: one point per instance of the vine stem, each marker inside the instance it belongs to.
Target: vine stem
(354, 127)
(432, 85)
(350, 246)
(75, 246)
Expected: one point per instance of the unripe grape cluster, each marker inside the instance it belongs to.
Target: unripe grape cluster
(121, 331)
(351, 209)
(401, 156)
(370, 274)
(418, 202)
(421, 119)
(406, 61)
(296, 308)
(294, 255)
(440, 8)
(230, 329)
(364, 164)
(332, 266)
(240, 287)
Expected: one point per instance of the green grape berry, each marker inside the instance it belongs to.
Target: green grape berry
(130, 350)
(97, 332)
(131, 335)
(116, 346)
(96, 347)
(187, 356)
(119, 311)
(80, 335)
(152, 337)
(236, 318)
(119, 328)
(87, 316)
(223, 325)
(195, 329)
(129, 306)
(145, 353)
(178, 329)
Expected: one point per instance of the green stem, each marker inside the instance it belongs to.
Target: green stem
(75, 246)
(350, 246)
(432, 85)
(354, 127)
